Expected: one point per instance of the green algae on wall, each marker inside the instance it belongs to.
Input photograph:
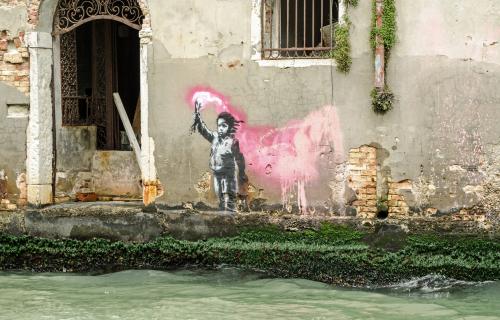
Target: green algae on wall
(333, 254)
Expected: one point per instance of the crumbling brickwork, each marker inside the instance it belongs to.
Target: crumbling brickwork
(396, 203)
(363, 180)
(14, 61)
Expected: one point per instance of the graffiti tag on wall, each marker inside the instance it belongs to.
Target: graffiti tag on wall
(287, 156)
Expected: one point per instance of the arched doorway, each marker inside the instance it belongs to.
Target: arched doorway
(98, 58)
(99, 47)
(98, 44)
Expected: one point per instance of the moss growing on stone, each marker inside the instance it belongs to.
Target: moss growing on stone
(331, 254)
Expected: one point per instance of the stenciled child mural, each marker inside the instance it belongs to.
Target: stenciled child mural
(285, 158)
(226, 160)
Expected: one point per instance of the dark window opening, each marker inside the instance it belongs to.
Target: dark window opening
(298, 28)
(99, 58)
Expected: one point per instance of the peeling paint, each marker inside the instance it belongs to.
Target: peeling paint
(203, 185)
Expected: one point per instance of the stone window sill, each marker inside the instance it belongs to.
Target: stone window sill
(296, 63)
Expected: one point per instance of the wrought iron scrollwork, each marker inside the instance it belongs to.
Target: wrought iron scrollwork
(73, 13)
(69, 81)
(100, 87)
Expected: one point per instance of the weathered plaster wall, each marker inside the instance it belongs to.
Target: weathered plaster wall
(14, 87)
(13, 122)
(76, 146)
(84, 171)
(445, 71)
(433, 150)
(436, 152)
(218, 55)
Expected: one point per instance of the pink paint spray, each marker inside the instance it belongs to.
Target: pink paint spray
(287, 156)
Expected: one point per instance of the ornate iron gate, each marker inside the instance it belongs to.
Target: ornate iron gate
(73, 13)
(69, 81)
(96, 106)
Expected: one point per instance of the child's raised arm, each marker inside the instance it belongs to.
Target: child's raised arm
(200, 125)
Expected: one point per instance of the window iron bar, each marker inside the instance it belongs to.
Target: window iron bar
(299, 29)
(287, 23)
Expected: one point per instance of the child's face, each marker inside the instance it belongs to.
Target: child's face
(222, 127)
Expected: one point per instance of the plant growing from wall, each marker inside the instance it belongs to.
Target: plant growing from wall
(382, 100)
(388, 30)
(342, 51)
(351, 3)
(385, 35)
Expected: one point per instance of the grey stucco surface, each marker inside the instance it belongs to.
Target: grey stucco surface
(444, 72)
(12, 137)
(13, 18)
(75, 148)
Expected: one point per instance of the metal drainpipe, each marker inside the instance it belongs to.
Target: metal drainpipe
(379, 49)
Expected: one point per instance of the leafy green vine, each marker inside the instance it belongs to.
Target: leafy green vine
(388, 30)
(342, 51)
(382, 100)
(351, 3)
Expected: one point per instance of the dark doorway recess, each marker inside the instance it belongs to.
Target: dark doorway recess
(98, 58)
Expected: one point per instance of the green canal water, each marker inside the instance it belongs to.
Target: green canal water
(235, 294)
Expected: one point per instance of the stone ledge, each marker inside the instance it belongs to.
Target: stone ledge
(126, 221)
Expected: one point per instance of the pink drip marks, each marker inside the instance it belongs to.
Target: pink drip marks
(287, 156)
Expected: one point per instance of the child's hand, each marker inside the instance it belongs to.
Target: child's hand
(197, 106)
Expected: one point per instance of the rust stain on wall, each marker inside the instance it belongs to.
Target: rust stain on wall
(3, 185)
(104, 159)
(22, 186)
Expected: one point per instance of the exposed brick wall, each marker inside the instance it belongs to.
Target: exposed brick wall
(395, 200)
(14, 61)
(363, 180)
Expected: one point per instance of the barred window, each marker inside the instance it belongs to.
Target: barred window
(294, 29)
